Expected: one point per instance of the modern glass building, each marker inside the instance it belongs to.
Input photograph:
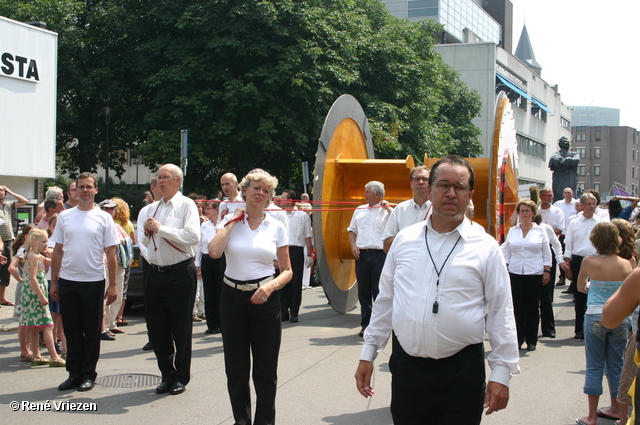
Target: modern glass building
(464, 20)
(595, 116)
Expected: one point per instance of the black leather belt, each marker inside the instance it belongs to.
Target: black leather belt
(370, 250)
(180, 265)
(246, 285)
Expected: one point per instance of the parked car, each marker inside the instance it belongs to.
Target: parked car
(135, 291)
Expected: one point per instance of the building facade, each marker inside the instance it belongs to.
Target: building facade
(608, 157)
(582, 116)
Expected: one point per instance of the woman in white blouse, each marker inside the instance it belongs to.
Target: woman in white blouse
(526, 251)
(250, 309)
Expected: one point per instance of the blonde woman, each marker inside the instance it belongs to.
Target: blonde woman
(249, 308)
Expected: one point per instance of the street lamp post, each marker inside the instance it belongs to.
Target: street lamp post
(107, 121)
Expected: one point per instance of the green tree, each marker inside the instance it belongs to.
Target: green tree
(251, 80)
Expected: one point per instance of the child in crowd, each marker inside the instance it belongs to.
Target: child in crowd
(35, 314)
(20, 248)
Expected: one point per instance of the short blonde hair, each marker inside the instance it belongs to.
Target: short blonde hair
(36, 234)
(527, 203)
(259, 175)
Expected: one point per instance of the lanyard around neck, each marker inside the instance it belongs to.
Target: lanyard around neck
(426, 241)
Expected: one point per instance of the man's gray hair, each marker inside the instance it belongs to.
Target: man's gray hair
(54, 192)
(586, 196)
(376, 187)
(546, 189)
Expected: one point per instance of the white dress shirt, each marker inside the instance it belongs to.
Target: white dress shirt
(207, 232)
(404, 215)
(576, 241)
(553, 216)
(567, 209)
(180, 225)
(279, 214)
(299, 228)
(368, 225)
(527, 255)
(143, 215)
(474, 277)
(554, 242)
(232, 205)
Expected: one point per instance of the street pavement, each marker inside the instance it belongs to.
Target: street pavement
(318, 359)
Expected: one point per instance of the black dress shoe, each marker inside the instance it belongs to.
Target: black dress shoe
(69, 384)
(531, 347)
(177, 388)
(147, 347)
(86, 385)
(164, 387)
(106, 336)
(217, 330)
(549, 334)
(361, 333)
(579, 335)
(294, 319)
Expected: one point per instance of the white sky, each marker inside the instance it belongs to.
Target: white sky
(589, 48)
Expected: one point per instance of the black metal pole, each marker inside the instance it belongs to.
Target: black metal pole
(107, 121)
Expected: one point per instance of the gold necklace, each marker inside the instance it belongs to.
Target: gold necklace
(257, 219)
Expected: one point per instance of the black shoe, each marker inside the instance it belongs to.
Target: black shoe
(209, 331)
(177, 388)
(531, 347)
(147, 346)
(86, 385)
(285, 317)
(164, 387)
(361, 333)
(549, 334)
(579, 335)
(106, 336)
(294, 319)
(567, 291)
(69, 384)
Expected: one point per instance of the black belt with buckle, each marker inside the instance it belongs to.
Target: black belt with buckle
(180, 265)
(246, 285)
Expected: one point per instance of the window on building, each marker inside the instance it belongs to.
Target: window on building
(565, 123)
(596, 186)
(598, 133)
(580, 188)
(635, 155)
(596, 170)
(538, 112)
(581, 134)
(531, 147)
(581, 169)
(596, 153)
(582, 152)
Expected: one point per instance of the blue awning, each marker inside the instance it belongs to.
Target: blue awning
(542, 106)
(513, 87)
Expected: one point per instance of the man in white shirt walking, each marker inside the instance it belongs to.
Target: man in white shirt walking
(568, 208)
(171, 234)
(365, 236)
(439, 277)
(411, 211)
(577, 246)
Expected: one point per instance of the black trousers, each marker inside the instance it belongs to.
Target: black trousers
(291, 294)
(81, 305)
(368, 270)
(251, 330)
(561, 239)
(580, 305)
(5, 276)
(547, 321)
(212, 270)
(437, 391)
(168, 308)
(525, 291)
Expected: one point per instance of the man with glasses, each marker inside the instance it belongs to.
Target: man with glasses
(411, 211)
(439, 278)
(72, 196)
(82, 237)
(365, 236)
(171, 233)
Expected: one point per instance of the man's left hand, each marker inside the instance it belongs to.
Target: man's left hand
(151, 225)
(496, 398)
(111, 294)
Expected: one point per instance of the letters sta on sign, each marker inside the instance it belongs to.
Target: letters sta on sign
(19, 67)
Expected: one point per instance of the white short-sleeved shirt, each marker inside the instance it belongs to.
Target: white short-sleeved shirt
(299, 228)
(250, 253)
(84, 235)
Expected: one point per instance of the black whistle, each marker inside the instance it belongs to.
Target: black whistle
(434, 310)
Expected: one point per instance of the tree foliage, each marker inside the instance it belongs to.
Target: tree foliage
(251, 80)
